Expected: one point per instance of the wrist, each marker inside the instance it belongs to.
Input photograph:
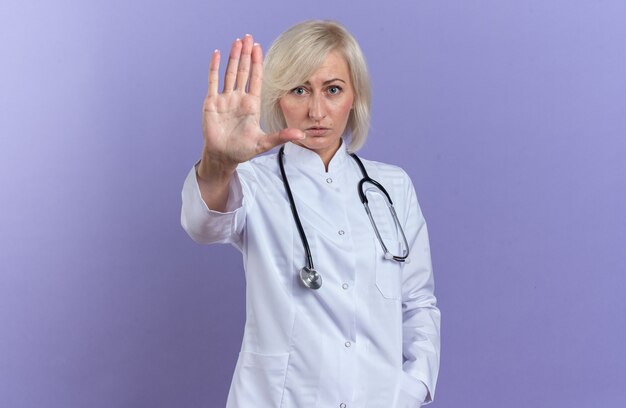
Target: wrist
(210, 170)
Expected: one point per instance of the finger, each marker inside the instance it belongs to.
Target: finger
(272, 140)
(243, 72)
(256, 75)
(231, 68)
(214, 70)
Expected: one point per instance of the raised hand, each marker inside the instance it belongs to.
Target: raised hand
(230, 120)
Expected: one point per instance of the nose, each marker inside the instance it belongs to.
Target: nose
(317, 110)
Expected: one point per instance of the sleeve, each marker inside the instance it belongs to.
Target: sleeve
(420, 315)
(206, 226)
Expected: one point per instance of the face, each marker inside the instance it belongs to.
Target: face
(321, 106)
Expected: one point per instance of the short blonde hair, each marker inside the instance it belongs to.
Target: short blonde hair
(295, 56)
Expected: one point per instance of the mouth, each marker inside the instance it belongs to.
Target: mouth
(316, 131)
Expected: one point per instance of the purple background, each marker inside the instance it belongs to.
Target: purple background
(510, 116)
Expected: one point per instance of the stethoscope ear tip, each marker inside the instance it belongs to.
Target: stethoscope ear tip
(407, 260)
(388, 256)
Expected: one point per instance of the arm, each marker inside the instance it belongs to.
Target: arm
(421, 317)
(232, 135)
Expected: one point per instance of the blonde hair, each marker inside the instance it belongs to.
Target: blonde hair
(293, 58)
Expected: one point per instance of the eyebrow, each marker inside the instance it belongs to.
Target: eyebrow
(328, 82)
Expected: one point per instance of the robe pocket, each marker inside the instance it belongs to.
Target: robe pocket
(260, 379)
(388, 271)
(410, 392)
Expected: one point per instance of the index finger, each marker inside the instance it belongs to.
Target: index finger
(256, 74)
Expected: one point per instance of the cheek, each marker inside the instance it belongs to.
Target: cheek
(344, 108)
(290, 111)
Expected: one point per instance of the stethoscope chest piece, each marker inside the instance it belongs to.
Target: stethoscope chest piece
(310, 278)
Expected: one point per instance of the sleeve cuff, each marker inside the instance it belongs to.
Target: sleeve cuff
(207, 226)
(235, 193)
(410, 392)
(414, 387)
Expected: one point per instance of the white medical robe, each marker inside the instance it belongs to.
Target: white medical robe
(369, 337)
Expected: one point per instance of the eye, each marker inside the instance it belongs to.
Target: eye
(299, 91)
(334, 89)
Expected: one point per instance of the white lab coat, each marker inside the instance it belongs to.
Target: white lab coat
(369, 337)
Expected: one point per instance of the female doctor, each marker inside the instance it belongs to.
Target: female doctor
(340, 304)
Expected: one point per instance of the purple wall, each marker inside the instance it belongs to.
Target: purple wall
(509, 115)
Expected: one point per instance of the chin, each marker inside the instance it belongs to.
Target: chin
(318, 143)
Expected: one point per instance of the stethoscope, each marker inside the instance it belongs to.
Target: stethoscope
(308, 275)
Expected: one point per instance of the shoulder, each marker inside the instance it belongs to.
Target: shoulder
(259, 171)
(387, 172)
(398, 184)
(259, 166)
(269, 160)
(256, 173)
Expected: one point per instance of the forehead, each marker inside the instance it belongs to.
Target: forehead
(334, 66)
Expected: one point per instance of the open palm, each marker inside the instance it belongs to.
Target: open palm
(231, 119)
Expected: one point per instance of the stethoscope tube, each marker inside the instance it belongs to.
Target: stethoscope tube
(308, 275)
(365, 202)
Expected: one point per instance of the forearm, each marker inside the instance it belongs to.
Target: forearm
(207, 226)
(214, 180)
(421, 317)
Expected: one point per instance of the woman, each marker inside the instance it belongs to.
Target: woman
(336, 315)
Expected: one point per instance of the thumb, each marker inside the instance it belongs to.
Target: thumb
(271, 140)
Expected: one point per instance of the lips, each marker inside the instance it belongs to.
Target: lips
(316, 131)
